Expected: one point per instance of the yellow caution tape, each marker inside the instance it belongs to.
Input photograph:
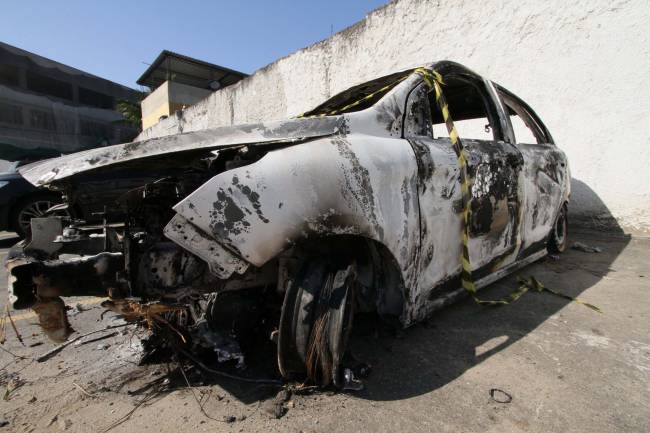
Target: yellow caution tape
(434, 81)
(532, 283)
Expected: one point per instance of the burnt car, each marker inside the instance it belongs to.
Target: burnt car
(369, 202)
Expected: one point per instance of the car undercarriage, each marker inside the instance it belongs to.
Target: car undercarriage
(154, 281)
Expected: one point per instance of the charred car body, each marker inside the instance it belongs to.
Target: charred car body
(354, 206)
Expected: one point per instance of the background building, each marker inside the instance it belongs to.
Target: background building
(47, 108)
(177, 81)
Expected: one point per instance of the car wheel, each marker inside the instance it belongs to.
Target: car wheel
(559, 238)
(315, 323)
(31, 207)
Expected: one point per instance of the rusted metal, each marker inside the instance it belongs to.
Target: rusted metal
(222, 262)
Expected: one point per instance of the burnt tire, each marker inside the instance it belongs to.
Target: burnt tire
(559, 238)
(315, 323)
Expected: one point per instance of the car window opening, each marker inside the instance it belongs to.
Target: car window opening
(524, 125)
(342, 102)
(467, 108)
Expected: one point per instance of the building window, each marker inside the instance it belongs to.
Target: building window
(12, 114)
(49, 86)
(65, 124)
(92, 128)
(95, 99)
(9, 75)
(41, 119)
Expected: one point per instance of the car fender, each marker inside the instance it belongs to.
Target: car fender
(342, 185)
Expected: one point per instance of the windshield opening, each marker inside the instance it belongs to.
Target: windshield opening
(359, 97)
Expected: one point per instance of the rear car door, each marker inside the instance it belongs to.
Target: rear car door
(544, 180)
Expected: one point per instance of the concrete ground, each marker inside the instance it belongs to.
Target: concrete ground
(566, 368)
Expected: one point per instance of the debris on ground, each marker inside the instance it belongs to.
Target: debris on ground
(60, 347)
(350, 382)
(586, 248)
(83, 390)
(152, 393)
(64, 424)
(11, 382)
(275, 406)
(3, 323)
(78, 308)
(500, 396)
(53, 420)
(93, 340)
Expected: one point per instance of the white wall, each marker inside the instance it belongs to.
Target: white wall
(582, 65)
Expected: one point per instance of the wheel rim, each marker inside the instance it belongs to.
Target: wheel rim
(36, 209)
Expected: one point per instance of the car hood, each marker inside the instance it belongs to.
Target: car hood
(293, 130)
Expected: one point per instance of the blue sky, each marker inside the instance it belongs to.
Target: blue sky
(113, 38)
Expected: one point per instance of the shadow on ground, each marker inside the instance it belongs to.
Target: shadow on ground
(432, 354)
(455, 339)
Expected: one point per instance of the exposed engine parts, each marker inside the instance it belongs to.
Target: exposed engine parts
(286, 229)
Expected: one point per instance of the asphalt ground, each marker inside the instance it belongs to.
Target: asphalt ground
(542, 364)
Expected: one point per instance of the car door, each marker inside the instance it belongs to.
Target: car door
(544, 179)
(494, 168)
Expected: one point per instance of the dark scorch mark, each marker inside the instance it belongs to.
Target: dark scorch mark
(357, 182)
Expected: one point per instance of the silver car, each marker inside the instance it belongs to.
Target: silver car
(399, 196)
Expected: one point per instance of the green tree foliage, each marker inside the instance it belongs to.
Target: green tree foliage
(131, 111)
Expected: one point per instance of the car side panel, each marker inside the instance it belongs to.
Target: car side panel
(545, 186)
(440, 221)
(347, 184)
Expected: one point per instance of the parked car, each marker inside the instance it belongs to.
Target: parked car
(94, 200)
(20, 201)
(366, 203)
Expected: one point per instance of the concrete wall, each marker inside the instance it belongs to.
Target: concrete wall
(581, 65)
(183, 94)
(168, 98)
(155, 105)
